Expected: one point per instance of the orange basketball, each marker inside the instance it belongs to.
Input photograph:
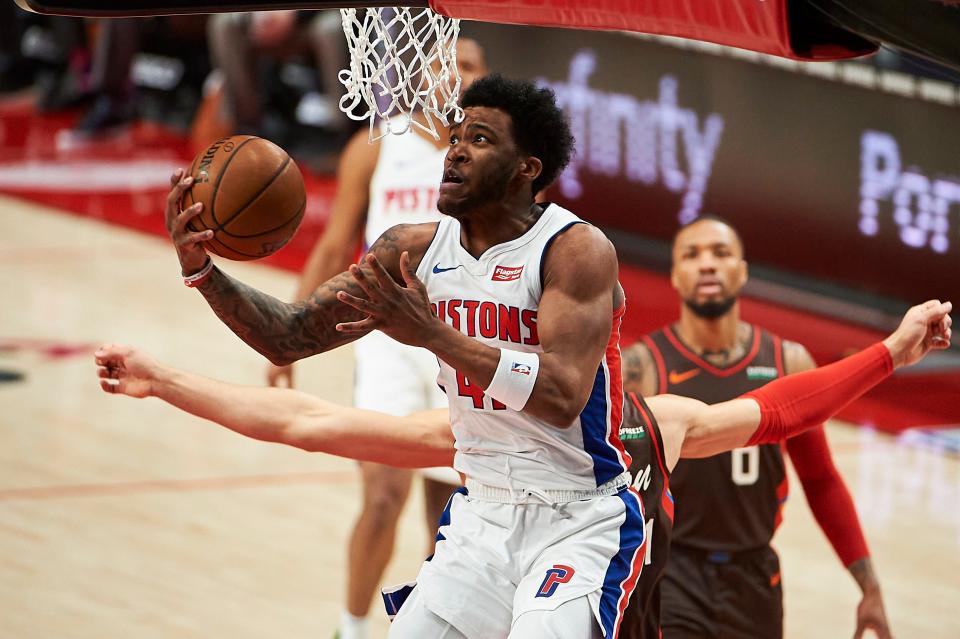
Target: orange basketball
(252, 193)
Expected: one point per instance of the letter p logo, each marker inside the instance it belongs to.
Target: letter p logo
(555, 576)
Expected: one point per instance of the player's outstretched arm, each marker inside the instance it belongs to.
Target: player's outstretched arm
(789, 405)
(280, 331)
(282, 415)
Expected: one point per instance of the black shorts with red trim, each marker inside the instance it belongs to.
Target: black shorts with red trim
(722, 595)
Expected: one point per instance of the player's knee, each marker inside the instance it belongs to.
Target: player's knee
(384, 506)
(381, 518)
(386, 487)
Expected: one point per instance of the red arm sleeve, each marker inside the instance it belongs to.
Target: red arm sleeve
(792, 404)
(827, 494)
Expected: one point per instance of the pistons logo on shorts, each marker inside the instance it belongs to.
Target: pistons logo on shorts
(555, 576)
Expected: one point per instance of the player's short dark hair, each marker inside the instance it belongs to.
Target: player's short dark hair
(539, 126)
(710, 217)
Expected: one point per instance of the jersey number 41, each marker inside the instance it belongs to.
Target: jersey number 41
(474, 392)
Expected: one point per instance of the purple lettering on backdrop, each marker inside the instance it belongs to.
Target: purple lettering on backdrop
(639, 140)
(920, 204)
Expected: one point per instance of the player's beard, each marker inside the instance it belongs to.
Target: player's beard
(711, 309)
(492, 187)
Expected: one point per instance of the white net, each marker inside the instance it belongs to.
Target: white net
(402, 62)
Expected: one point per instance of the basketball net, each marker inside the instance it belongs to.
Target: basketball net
(402, 60)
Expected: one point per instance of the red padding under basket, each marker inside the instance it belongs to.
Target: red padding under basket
(747, 24)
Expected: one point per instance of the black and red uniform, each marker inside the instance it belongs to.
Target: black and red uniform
(723, 579)
(641, 437)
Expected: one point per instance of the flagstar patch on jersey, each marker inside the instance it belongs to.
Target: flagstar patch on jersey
(761, 372)
(506, 273)
(522, 369)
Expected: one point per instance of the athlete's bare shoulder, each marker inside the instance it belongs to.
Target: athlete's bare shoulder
(796, 358)
(588, 238)
(639, 370)
(581, 258)
(413, 238)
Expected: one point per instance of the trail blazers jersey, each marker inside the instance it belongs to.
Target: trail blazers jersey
(494, 299)
(641, 437)
(732, 501)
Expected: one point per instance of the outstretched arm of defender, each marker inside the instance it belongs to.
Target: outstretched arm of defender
(282, 415)
(787, 406)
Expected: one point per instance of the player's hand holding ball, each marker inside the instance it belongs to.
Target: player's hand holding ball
(189, 243)
(242, 198)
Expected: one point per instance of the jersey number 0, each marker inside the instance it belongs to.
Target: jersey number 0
(745, 465)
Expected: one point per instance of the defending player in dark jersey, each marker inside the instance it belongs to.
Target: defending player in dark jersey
(657, 433)
(641, 437)
(723, 578)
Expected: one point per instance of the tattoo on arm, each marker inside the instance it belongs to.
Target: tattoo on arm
(636, 364)
(632, 368)
(284, 332)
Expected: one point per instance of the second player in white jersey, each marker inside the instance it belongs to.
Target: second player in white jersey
(404, 186)
(494, 299)
(393, 377)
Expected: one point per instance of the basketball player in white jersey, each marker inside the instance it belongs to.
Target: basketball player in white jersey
(549, 541)
(391, 181)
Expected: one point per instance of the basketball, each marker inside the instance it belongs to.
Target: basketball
(252, 193)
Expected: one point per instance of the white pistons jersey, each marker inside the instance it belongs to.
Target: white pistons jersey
(405, 185)
(494, 299)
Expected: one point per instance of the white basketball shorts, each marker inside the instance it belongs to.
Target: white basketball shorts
(501, 554)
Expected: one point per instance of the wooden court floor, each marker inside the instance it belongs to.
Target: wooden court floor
(126, 518)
